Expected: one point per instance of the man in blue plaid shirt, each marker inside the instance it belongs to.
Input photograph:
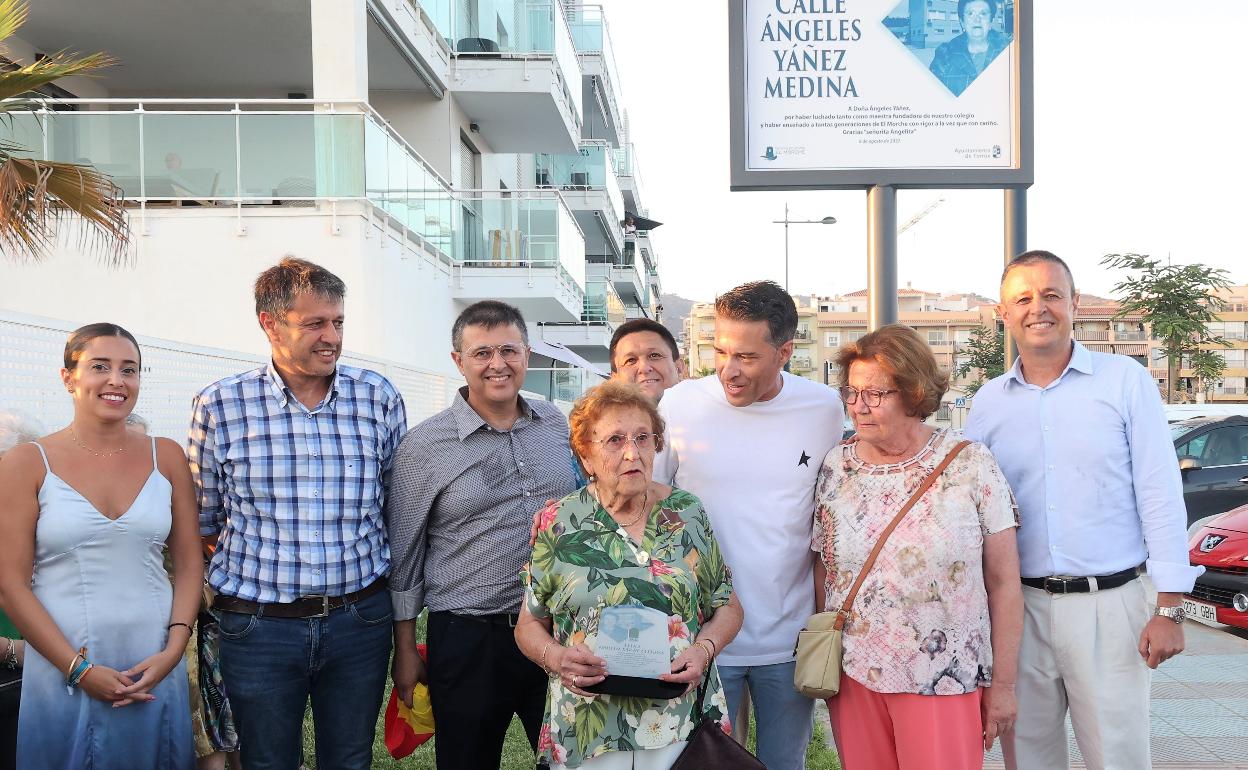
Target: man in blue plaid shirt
(290, 463)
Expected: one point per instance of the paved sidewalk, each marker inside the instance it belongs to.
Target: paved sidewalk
(1199, 706)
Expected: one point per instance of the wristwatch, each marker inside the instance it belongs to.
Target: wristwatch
(1174, 613)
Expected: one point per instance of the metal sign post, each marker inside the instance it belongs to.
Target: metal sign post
(880, 96)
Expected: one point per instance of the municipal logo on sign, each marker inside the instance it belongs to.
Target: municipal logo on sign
(1210, 542)
(771, 154)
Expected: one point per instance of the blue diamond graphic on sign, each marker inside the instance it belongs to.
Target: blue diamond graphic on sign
(955, 40)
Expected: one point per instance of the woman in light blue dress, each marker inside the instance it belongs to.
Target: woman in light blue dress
(84, 515)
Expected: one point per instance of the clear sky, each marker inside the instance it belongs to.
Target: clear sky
(1141, 145)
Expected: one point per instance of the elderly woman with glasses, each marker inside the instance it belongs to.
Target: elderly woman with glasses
(621, 555)
(938, 618)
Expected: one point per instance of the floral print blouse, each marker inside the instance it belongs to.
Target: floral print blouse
(920, 621)
(584, 561)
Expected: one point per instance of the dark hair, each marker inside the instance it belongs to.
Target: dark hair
(761, 301)
(1035, 257)
(82, 336)
(488, 313)
(901, 352)
(277, 288)
(642, 325)
(992, 7)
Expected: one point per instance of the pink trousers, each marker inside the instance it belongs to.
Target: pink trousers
(898, 731)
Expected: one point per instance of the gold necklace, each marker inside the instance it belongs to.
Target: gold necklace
(89, 449)
(645, 500)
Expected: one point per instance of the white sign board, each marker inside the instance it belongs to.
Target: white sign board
(852, 93)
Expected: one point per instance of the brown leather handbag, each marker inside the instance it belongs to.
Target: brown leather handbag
(818, 670)
(709, 746)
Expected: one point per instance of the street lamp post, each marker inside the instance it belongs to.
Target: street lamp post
(786, 222)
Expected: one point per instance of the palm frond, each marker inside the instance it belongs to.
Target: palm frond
(37, 196)
(13, 14)
(40, 73)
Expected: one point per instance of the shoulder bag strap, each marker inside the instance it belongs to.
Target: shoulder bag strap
(843, 613)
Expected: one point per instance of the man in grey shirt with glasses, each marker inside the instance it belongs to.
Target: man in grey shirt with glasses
(465, 486)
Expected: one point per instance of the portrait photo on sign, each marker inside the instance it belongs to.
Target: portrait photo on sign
(956, 40)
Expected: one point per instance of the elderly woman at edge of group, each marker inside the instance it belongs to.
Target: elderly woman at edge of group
(623, 540)
(15, 428)
(940, 614)
(84, 512)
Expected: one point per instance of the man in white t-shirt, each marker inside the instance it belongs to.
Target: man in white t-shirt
(749, 443)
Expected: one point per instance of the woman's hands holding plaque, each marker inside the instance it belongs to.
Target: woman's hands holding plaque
(578, 668)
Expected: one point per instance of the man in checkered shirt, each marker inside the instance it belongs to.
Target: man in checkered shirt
(290, 462)
(466, 484)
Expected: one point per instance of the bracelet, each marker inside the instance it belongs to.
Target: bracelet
(82, 655)
(543, 663)
(79, 673)
(714, 647)
(184, 625)
(707, 664)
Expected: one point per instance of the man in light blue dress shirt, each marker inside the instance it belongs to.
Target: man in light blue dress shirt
(1083, 441)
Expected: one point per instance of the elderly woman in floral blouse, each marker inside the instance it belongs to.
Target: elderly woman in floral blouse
(623, 541)
(938, 618)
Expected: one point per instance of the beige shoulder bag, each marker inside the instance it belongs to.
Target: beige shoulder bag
(818, 672)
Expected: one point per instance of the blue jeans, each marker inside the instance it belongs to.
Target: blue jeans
(783, 716)
(272, 665)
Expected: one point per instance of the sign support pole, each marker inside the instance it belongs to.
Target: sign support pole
(881, 256)
(1015, 244)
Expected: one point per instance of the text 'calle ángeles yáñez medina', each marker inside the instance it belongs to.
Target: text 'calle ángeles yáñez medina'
(808, 61)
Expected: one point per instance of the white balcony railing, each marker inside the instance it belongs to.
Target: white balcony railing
(591, 36)
(279, 152)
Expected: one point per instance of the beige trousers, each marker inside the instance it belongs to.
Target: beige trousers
(1080, 653)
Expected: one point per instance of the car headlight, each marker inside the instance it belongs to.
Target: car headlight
(1240, 602)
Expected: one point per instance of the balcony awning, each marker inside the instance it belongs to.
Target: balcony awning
(560, 353)
(1100, 347)
(643, 223)
(1131, 350)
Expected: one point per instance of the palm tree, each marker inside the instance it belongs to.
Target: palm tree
(37, 195)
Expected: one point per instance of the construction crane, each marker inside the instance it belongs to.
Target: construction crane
(914, 220)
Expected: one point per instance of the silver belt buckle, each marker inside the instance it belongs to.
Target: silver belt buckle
(324, 605)
(1049, 583)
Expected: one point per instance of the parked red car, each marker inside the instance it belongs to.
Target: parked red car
(1221, 547)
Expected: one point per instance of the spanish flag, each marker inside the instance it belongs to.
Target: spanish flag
(407, 728)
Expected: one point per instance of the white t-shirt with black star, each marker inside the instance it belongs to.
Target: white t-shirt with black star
(754, 468)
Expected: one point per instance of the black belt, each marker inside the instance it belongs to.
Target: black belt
(509, 619)
(1082, 585)
(303, 607)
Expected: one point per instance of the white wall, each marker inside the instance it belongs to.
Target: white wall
(190, 280)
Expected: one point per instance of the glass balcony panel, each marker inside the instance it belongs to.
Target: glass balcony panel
(295, 156)
(107, 140)
(439, 12)
(505, 26)
(188, 155)
(25, 130)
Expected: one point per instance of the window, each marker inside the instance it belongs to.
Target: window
(963, 336)
(942, 413)
(1194, 448)
(855, 336)
(1223, 446)
(935, 336)
(832, 340)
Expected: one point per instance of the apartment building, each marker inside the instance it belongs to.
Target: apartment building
(1231, 325)
(430, 153)
(826, 323)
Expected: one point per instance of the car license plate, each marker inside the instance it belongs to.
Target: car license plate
(1205, 613)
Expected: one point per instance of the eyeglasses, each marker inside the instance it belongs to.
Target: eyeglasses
(615, 444)
(485, 354)
(873, 398)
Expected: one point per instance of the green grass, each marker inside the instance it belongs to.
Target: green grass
(516, 752)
